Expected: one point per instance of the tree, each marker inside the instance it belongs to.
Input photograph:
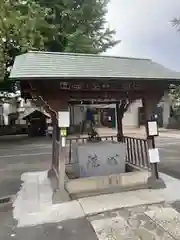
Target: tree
(174, 93)
(56, 25)
(79, 26)
(176, 23)
(22, 26)
(121, 108)
(174, 90)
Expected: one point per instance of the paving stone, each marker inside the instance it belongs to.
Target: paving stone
(119, 229)
(110, 228)
(168, 219)
(176, 206)
(102, 203)
(129, 223)
(144, 234)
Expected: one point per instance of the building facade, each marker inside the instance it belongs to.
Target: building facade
(133, 118)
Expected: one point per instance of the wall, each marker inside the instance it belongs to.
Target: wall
(6, 111)
(1, 115)
(131, 117)
(77, 115)
(8, 108)
(165, 104)
(25, 105)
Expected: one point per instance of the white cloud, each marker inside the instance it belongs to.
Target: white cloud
(145, 29)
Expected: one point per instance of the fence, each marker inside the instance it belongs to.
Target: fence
(136, 149)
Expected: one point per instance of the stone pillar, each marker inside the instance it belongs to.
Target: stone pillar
(149, 104)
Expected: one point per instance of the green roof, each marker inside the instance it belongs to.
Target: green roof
(34, 65)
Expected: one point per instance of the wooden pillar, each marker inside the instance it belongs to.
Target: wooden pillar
(119, 124)
(58, 103)
(54, 148)
(54, 102)
(57, 144)
(53, 140)
(149, 104)
(62, 164)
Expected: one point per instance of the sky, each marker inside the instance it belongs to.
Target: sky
(145, 30)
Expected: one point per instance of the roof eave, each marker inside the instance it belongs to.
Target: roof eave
(20, 78)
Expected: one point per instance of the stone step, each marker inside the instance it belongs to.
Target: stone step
(92, 186)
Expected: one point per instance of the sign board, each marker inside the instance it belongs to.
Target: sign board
(64, 119)
(154, 155)
(63, 142)
(152, 128)
(97, 86)
(63, 132)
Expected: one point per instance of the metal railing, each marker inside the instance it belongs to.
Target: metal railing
(137, 152)
(136, 149)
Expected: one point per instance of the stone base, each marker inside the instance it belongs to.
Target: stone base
(154, 183)
(51, 173)
(60, 195)
(93, 186)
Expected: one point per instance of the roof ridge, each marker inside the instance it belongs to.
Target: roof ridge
(88, 55)
(159, 64)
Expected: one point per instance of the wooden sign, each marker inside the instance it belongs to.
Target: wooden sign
(95, 86)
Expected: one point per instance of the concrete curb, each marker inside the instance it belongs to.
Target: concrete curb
(7, 199)
(93, 186)
(120, 208)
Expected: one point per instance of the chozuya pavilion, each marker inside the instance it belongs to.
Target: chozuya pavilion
(59, 80)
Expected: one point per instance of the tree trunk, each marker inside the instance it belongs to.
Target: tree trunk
(119, 123)
(120, 134)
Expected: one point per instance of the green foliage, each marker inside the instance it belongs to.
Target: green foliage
(21, 27)
(79, 26)
(176, 23)
(53, 25)
(174, 94)
(175, 89)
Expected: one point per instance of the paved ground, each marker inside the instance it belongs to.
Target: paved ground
(124, 224)
(169, 155)
(144, 214)
(133, 224)
(148, 222)
(69, 230)
(22, 154)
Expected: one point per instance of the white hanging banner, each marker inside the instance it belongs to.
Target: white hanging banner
(63, 142)
(64, 119)
(154, 155)
(152, 128)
